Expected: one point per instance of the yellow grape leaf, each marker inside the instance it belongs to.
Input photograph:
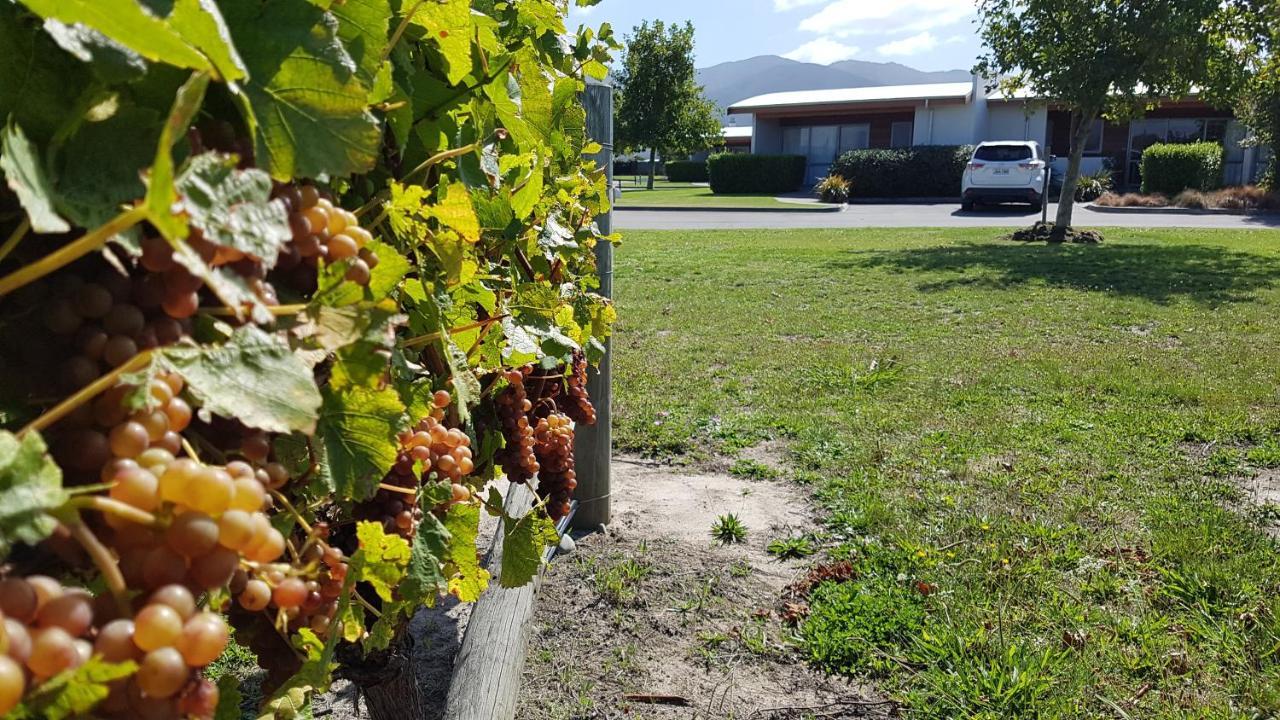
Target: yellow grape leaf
(386, 557)
(448, 24)
(468, 579)
(455, 211)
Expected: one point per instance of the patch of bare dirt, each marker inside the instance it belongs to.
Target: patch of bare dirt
(655, 610)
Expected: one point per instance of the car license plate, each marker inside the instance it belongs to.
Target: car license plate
(1002, 171)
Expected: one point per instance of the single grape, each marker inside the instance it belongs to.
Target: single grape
(137, 487)
(210, 491)
(46, 589)
(13, 684)
(91, 341)
(179, 414)
(289, 593)
(52, 651)
(359, 272)
(180, 305)
(61, 317)
(18, 599)
(19, 639)
(268, 547)
(156, 460)
(177, 478)
(156, 423)
(71, 611)
(203, 639)
(177, 597)
(256, 596)
(200, 700)
(341, 247)
(115, 642)
(124, 320)
(93, 301)
(78, 371)
(215, 569)
(236, 529)
(162, 672)
(156, 626)
(163, 566)
(192, 534)
(129, 439)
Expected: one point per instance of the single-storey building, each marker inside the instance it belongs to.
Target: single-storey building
(733, 139)
(823, 124)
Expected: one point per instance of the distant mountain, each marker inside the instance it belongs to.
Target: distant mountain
(731, 82)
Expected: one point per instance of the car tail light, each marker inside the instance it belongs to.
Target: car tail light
(976, 165)
(1033, 165)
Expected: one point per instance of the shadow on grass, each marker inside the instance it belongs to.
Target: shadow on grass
(1159, 273)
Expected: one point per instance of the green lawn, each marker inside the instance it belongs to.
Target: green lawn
(668, 194)
(1031, 454)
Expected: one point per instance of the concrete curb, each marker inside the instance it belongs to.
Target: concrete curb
(1176, 211)
(798, 208)
(905, 201)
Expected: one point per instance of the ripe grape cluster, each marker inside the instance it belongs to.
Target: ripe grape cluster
(303, 595)
(48, 628)
(554, 448)
(441, 452)
(577, 405)
(322, 230)
(513, 407)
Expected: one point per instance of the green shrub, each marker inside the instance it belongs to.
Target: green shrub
(923, 171)
(1092, 187)
(686, 171)
(739, 173)
(833, 189)
(1169, 168)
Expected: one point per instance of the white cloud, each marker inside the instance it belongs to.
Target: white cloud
(913, 45)
(823, 51)
(785, 5)
(843, 18)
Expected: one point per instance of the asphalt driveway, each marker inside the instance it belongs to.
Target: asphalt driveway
(927, 215)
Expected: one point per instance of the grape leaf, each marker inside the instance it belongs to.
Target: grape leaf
(335, 291)
(358, 427)
(386, 627)
(454, 210)
(309, 107)
(448, 25)
(234, 207)
(30, 486)
(25, 176)
(162, 195)
(362, 26)
(109, 60)
(385, 558)
(468, 579)
(74, 692)
(524, 540)
(424, 579)
(193, 35)
(229, 698)
(100, 167)
(253, 377)
(337, 327)
(40, 96)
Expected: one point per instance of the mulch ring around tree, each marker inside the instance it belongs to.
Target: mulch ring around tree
(1043, 232)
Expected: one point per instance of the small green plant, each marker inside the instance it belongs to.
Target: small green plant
(616, 583)
(792, 548)
(753, 470)
(740, 569)
(833, 189)
(729, 529)
(1092, 187)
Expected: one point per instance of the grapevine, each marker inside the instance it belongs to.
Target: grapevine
(278, 302)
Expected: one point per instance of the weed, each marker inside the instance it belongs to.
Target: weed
(729, 529)
(792, 548)
(752, 470)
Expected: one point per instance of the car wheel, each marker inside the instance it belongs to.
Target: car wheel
(1037, 206)
(966, 206)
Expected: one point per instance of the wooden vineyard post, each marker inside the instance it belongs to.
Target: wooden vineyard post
(593, 448)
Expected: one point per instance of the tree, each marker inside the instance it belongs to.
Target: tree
(1099, 59)
(661, 106)
(1253, 74)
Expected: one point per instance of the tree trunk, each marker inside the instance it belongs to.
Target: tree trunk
(388, 684)
(1080, 124)
(653, 166)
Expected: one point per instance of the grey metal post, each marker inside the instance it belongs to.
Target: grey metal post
(593, 448)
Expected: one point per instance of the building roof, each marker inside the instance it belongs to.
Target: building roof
(730, 132)
(853, 96)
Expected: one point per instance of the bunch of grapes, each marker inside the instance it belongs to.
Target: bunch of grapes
(513, 407)
(554, 448)
(48, 629)
(577, 403)
(322, 231)
(305, 595)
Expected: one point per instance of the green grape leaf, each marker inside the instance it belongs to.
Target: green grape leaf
(448, 25)
(424, 579)
(43, 97)
(335, 291)
(358, 427)
(101, 165)
(291, 703)
(109, 60)
(468, 580)
(30, 487)
(193, 34)
(360, 364)
(337, 327)
(524, 540)
(229, 698)
(385, 558)
(74, 692)
(234, 207)
(386, 627)
(310, 112)
(162, 195)
(362, 26)
(253, 377)
(25, 176)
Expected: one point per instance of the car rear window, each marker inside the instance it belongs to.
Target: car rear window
(1003, 153)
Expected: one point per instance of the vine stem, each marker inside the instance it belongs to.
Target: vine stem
(293, 511)
(16, 237)
(103, 559)
(421, 340)
(72, 251)
(404, 25)
(425, 166)
(87, 393)
(107, 506)
(276, 310)
(394, 488)
(367, 605)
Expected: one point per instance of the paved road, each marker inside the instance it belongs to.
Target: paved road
(939, 215)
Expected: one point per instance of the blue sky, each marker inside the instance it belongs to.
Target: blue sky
(925, 34)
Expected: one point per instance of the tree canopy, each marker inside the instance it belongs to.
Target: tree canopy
(660, 105)
(1099, 58)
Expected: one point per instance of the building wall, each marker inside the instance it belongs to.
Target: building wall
(766, 138)
(1017, 121)
(947, 124)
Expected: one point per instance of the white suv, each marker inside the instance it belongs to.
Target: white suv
(999, 172)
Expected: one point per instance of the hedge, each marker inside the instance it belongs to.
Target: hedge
(740, 173)
(686, 171)
(922, 171)
(1169, 168)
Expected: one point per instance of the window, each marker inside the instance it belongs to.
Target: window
(900, 136)
(1003, 153)
(854, 137)
(1093, 146)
